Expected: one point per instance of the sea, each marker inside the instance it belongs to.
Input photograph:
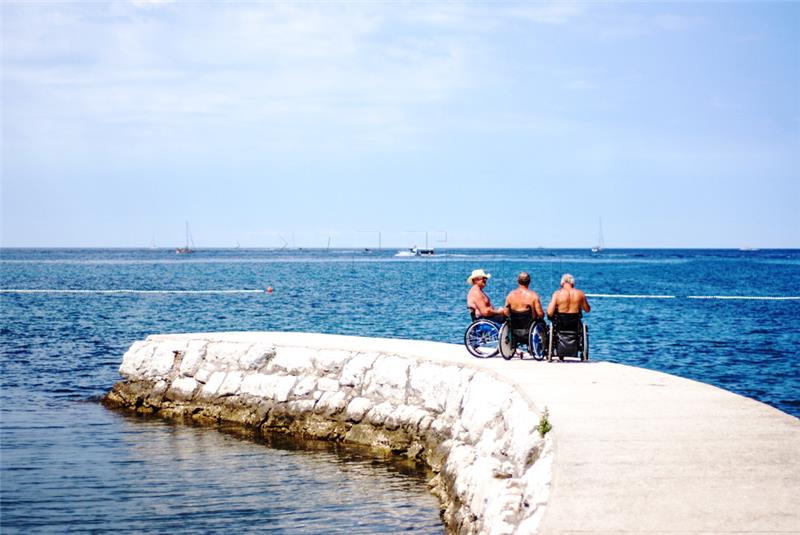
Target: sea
(730, 318)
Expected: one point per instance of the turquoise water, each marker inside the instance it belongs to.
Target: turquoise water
(69, 315)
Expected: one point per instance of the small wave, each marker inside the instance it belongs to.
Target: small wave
(631, 296)
(747, 297)
(122, 291)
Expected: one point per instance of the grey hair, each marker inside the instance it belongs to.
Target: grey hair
(567, 278)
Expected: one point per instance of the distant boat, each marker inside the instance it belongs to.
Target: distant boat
(416, 251)
(599, 247)
(186, 249)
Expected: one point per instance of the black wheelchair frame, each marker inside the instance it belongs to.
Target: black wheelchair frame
(485, 338)
(581, 336)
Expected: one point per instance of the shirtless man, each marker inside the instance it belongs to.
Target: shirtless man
(567, 299)
(523, 300)
(478, 302)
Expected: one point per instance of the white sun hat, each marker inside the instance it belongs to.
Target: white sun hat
(478, 273)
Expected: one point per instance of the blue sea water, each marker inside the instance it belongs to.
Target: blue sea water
(68, 315)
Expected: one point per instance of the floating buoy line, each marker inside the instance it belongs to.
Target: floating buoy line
(269, 289)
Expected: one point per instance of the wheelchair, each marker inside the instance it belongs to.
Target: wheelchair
(485, 338)
(568, 336)
(521, 330)
(482, 337)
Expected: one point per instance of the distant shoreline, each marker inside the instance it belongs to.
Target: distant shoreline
(394, 248)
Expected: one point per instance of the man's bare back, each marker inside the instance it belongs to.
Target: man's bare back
(568, 299)
(522, 299)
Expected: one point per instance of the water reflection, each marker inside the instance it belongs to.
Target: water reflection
(93, 469)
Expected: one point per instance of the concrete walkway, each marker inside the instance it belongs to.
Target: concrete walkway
(638, 451)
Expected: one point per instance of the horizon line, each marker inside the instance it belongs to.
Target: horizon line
(363, 248)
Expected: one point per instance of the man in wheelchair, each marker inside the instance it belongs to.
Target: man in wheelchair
(524, 308)
(478, 302)
(569, 336)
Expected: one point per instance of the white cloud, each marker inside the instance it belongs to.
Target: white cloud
(270, 64)
(150, 3)
(547, 13)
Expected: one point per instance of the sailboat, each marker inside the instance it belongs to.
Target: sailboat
(599, 247)
(186, 249)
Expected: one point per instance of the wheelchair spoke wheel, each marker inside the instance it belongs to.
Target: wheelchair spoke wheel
(482, 339)
(537, 341)
(585, 352)
(506, 342)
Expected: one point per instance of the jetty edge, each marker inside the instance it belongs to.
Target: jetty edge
(424, 400)
(631, 450)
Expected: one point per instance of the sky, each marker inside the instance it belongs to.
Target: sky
(486, 124)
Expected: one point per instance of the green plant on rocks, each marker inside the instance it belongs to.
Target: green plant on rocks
(544, 423)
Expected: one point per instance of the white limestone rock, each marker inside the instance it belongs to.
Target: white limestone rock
(305, 385)
(459, 460)
(482, 406)
(331, 403)
(488, 443)
(283, 387)
(266, 386)
(425, 424)
(357, 408)
(257, 356)
(430, 384)
(160, 387)
(134, 359)
(193, 357)
(331, 361)
(204, 372)
(327, 384)
(485, 427)
(224, 355)
(231, 384)
(410, 416)
(521, 437)
(219, 357)
(356, 368)
(536, 479)
(442, 426)
(300, 406)
(387, 379)
(211, 387)
(183, 388)
(455, 392)
(163, 359)
(380, 412)
(257, 385)
(292, 360)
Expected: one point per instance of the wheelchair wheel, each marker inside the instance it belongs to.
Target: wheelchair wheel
(506, 343)
(538, 341)
(551, 336)
(585, 352)
(482, 338)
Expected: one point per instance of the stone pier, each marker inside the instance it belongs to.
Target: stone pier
(630, 450)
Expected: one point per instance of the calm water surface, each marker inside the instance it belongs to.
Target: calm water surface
(66, 463)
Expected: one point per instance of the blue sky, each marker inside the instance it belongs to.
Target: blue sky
(510, 124)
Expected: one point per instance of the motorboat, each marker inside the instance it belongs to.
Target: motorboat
(416, 251)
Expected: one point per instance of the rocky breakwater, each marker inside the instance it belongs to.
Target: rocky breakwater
(427, 401)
